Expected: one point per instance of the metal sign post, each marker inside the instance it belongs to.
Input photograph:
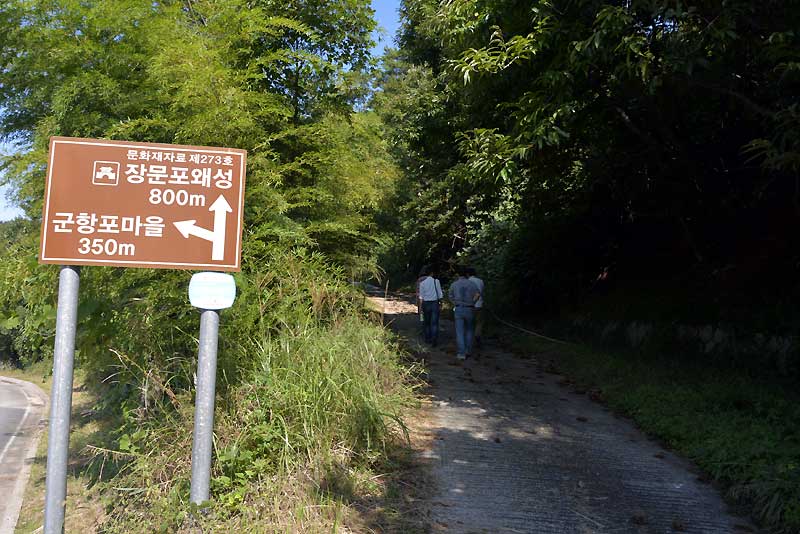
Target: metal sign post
(202, 439)
(209, 292)
(61, 400)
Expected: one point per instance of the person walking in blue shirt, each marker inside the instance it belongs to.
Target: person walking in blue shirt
(464, 294)
(479, 318)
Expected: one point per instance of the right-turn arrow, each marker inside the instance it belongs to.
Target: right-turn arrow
(221, 208)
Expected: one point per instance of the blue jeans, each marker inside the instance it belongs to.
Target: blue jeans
(430, 324)
(465, 328)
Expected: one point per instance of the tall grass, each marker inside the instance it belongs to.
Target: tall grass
(318, 408)
(310, 395)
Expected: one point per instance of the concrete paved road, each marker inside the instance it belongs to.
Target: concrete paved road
(515, 450)
(22, 408)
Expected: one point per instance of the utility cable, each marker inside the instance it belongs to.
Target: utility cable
(525, 330)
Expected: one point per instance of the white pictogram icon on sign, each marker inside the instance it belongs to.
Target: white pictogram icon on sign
(221, 208)
(105, 173)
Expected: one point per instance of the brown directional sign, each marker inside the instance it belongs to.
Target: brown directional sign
(143, 205)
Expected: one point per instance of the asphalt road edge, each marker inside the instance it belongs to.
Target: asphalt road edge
(38, 399)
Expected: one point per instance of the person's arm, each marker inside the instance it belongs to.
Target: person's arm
(476, 295)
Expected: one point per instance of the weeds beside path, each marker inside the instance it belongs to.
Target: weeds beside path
(514, 449)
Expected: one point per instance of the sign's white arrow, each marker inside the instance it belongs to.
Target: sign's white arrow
(221, 208)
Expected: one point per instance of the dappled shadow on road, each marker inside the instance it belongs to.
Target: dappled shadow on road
(513, 449)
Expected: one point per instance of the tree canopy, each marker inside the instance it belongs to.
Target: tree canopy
(279, 80)
(547, 140)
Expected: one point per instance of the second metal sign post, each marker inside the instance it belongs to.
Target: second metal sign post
(210, 292)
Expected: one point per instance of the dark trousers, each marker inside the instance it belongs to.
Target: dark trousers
(430, 322)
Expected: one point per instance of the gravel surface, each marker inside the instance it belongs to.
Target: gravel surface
(515, 449)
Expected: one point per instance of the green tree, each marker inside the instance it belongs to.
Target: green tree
(204, 73)
(300, 373)
(594, 133)
(317, 59)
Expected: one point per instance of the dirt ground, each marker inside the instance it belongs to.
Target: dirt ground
(510, 448)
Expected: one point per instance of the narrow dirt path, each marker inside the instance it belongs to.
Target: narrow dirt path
(513, 450)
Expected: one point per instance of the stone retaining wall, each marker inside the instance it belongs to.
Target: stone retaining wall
(781, 351)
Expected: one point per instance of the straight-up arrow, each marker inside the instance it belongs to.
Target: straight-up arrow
(221, 208)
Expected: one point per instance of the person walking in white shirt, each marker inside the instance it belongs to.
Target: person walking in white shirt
(429, 294)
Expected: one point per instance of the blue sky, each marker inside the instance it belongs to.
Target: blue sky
(7, 211)
(388, 20)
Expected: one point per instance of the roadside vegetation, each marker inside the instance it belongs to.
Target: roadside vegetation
(311, 392)
(311, 440)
